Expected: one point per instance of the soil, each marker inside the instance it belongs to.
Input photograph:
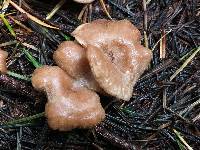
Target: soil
(162, 110)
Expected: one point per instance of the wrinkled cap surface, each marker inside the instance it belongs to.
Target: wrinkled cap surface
(103, 31)
(3, 57)
(115, 54)
(71, 57)
(69, 106)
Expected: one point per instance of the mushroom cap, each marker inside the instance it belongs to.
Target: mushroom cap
(84, 1)
(118, 74)
(49, 78)
(3, 57)
(103, 31)
(115, 54)
(108, 75)
(143, 59)
(77, 109)
(71, 57)
(69, 106)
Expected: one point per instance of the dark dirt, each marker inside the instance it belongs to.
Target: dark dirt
(141, 123)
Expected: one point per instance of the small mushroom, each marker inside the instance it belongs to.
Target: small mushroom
(3, 57)
(71, 57)
(115, 54)
(102, 31)
(84, 1)
(69, 105)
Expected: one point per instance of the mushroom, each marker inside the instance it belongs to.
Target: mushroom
(115, 54)
(84, 1)
(3, 57)
(71, 57)
(102, 31)
(69, 105)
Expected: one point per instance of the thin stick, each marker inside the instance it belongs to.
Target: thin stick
(20, 24)
(164, 98)
(55, 9)
(163, 45)
(5, 21)
(82, 12)
(145, 24)
(196, 118)
(189, 108)
(161, 39)
(105, 9)
(31, 17)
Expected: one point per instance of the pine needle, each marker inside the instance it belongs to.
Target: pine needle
(182, 140)
(20, 24)
(19, 76)
(105, 9)
(32, 17)
(32, 59)
(161, 39)
(55, 9)
(25, 119)
(5, 21)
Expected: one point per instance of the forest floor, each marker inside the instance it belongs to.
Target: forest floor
(163, 112)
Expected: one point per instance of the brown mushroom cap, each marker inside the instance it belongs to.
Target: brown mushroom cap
(115, 54)
(3, 57)
(117, 74)
(68, 106)
(108, 75)
(84, 1)
(143, 58)
(103, 31)
(71, 57)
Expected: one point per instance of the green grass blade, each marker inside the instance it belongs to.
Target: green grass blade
(19, 76)
(25, 119)
(5, 21)
(31, 59)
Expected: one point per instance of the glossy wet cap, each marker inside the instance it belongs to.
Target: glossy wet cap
(103, 31)
(116, 57)
(69, 106)
(71, 57)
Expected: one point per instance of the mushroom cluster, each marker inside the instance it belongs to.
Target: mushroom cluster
(106, 57)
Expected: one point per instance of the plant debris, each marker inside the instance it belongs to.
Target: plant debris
(163, 112)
